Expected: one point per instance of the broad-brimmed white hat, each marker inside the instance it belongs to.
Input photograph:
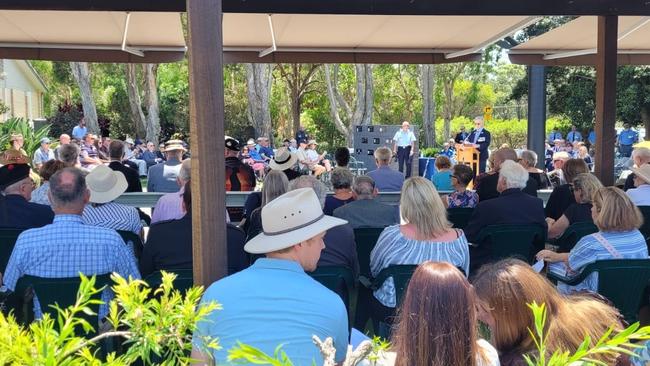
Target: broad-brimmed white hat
(129, 141)
(105, 184)
(290, 219)
(643, 172)
(283, 159)
(312, 142)
(172, 145)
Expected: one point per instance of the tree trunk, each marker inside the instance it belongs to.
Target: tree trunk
(259, 81)
(81, 74)
(449, 100)
(363, 104)
(645, 117)
(151, 98)
(428, 104)
(135, 102)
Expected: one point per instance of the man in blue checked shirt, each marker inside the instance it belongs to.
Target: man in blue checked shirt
(68, 247)
(626, 139)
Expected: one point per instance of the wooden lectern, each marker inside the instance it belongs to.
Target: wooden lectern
(468, 155)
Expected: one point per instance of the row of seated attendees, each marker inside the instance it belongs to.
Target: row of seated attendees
(286, 306)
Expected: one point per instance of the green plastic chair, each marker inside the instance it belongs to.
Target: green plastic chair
(135, 240)
(366, 239)
(8, 239)
(339, 279)
(512, 240)
(183, 282)
(621, 281)
(645, 228)
(459, 217)
(59, 291)
(401, 275)
(573, 234)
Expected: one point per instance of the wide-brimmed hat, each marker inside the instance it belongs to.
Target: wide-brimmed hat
(232, 144)
(290, 219)
(643, 172)
(105, 184)
(15, 136)
(172, 145)
(283, 159)
(312, 142)
(250, 142)
(13, 173)
(129, 141)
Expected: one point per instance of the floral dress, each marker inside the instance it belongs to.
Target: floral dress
(467, 199)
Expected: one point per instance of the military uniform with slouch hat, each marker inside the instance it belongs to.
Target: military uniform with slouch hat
(239, 176)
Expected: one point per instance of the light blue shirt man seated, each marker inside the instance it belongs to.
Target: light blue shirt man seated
(274, 302)
(386, 179)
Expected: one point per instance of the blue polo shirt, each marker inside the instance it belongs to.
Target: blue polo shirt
(628, 137)
(404, 138)
(274, 302)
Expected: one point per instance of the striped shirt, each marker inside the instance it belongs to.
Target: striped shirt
(114, 216)
(65, 248)
(629, 244)
(393, 248)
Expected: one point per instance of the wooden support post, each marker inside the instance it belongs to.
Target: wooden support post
(537, 112)
(206, 140)
(606, 98)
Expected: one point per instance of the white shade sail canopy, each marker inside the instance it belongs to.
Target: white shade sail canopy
(362, 38)
(574, 43)
(91, 36)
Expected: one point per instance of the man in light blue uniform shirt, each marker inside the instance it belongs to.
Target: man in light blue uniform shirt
(79, 131)
(404, 147)
(626, 139)
(274, 302)
(573, 135)
(592, 137)
(554, 135)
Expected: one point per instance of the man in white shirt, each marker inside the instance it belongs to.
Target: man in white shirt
(404, 147)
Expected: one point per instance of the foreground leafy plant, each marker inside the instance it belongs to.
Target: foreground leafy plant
(157, 330)
(620, 343)
(31, 137)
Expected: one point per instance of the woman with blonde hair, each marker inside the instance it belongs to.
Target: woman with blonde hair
(437, 321)
(506, 287)
(584, 187)
(425, 234)
(618, 237)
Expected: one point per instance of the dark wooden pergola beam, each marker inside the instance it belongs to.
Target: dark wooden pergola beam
(606, 98)
(371, 7)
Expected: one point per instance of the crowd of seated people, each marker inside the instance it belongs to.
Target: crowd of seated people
(296, 228)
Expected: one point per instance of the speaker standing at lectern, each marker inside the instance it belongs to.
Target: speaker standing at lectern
(479, 138)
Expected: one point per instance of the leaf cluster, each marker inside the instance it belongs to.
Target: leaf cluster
(31, 137)
(150, 326)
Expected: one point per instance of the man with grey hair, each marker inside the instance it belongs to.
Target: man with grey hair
(479, 138)
(340, 247)
(640, 156)
(386, 179)
(513, 206)
(486, 184)
(170, 206)
(69, 155)
(68, 247)
(366, 210)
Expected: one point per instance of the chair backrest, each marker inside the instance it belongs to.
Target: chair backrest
(645, 228)
(8, 239)
(366, 239)
(237, 258)
(459, 217)
(133, 240)
(339, 279)
(183, 282)
(513, 240)
(622, 281)
(401, 275)
(573, 234)
(59, 291)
